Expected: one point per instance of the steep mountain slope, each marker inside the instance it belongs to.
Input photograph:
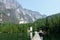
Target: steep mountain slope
(12, 11)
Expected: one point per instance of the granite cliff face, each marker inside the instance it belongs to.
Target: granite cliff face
(12, 11)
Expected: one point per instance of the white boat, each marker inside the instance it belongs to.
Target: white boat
(37, 37)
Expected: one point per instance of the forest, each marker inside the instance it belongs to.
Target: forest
(50, 25)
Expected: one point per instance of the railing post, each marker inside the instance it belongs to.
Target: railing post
(31, 33)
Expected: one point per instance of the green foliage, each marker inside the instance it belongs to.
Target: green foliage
(51, 23)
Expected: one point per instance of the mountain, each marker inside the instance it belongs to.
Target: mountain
(12, 11)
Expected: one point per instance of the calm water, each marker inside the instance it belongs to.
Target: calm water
(22, 36)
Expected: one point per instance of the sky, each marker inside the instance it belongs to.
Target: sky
(45, 7)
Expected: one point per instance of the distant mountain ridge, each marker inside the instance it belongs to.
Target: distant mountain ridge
(12, 11)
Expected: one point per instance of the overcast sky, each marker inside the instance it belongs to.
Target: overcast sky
(47, 7)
